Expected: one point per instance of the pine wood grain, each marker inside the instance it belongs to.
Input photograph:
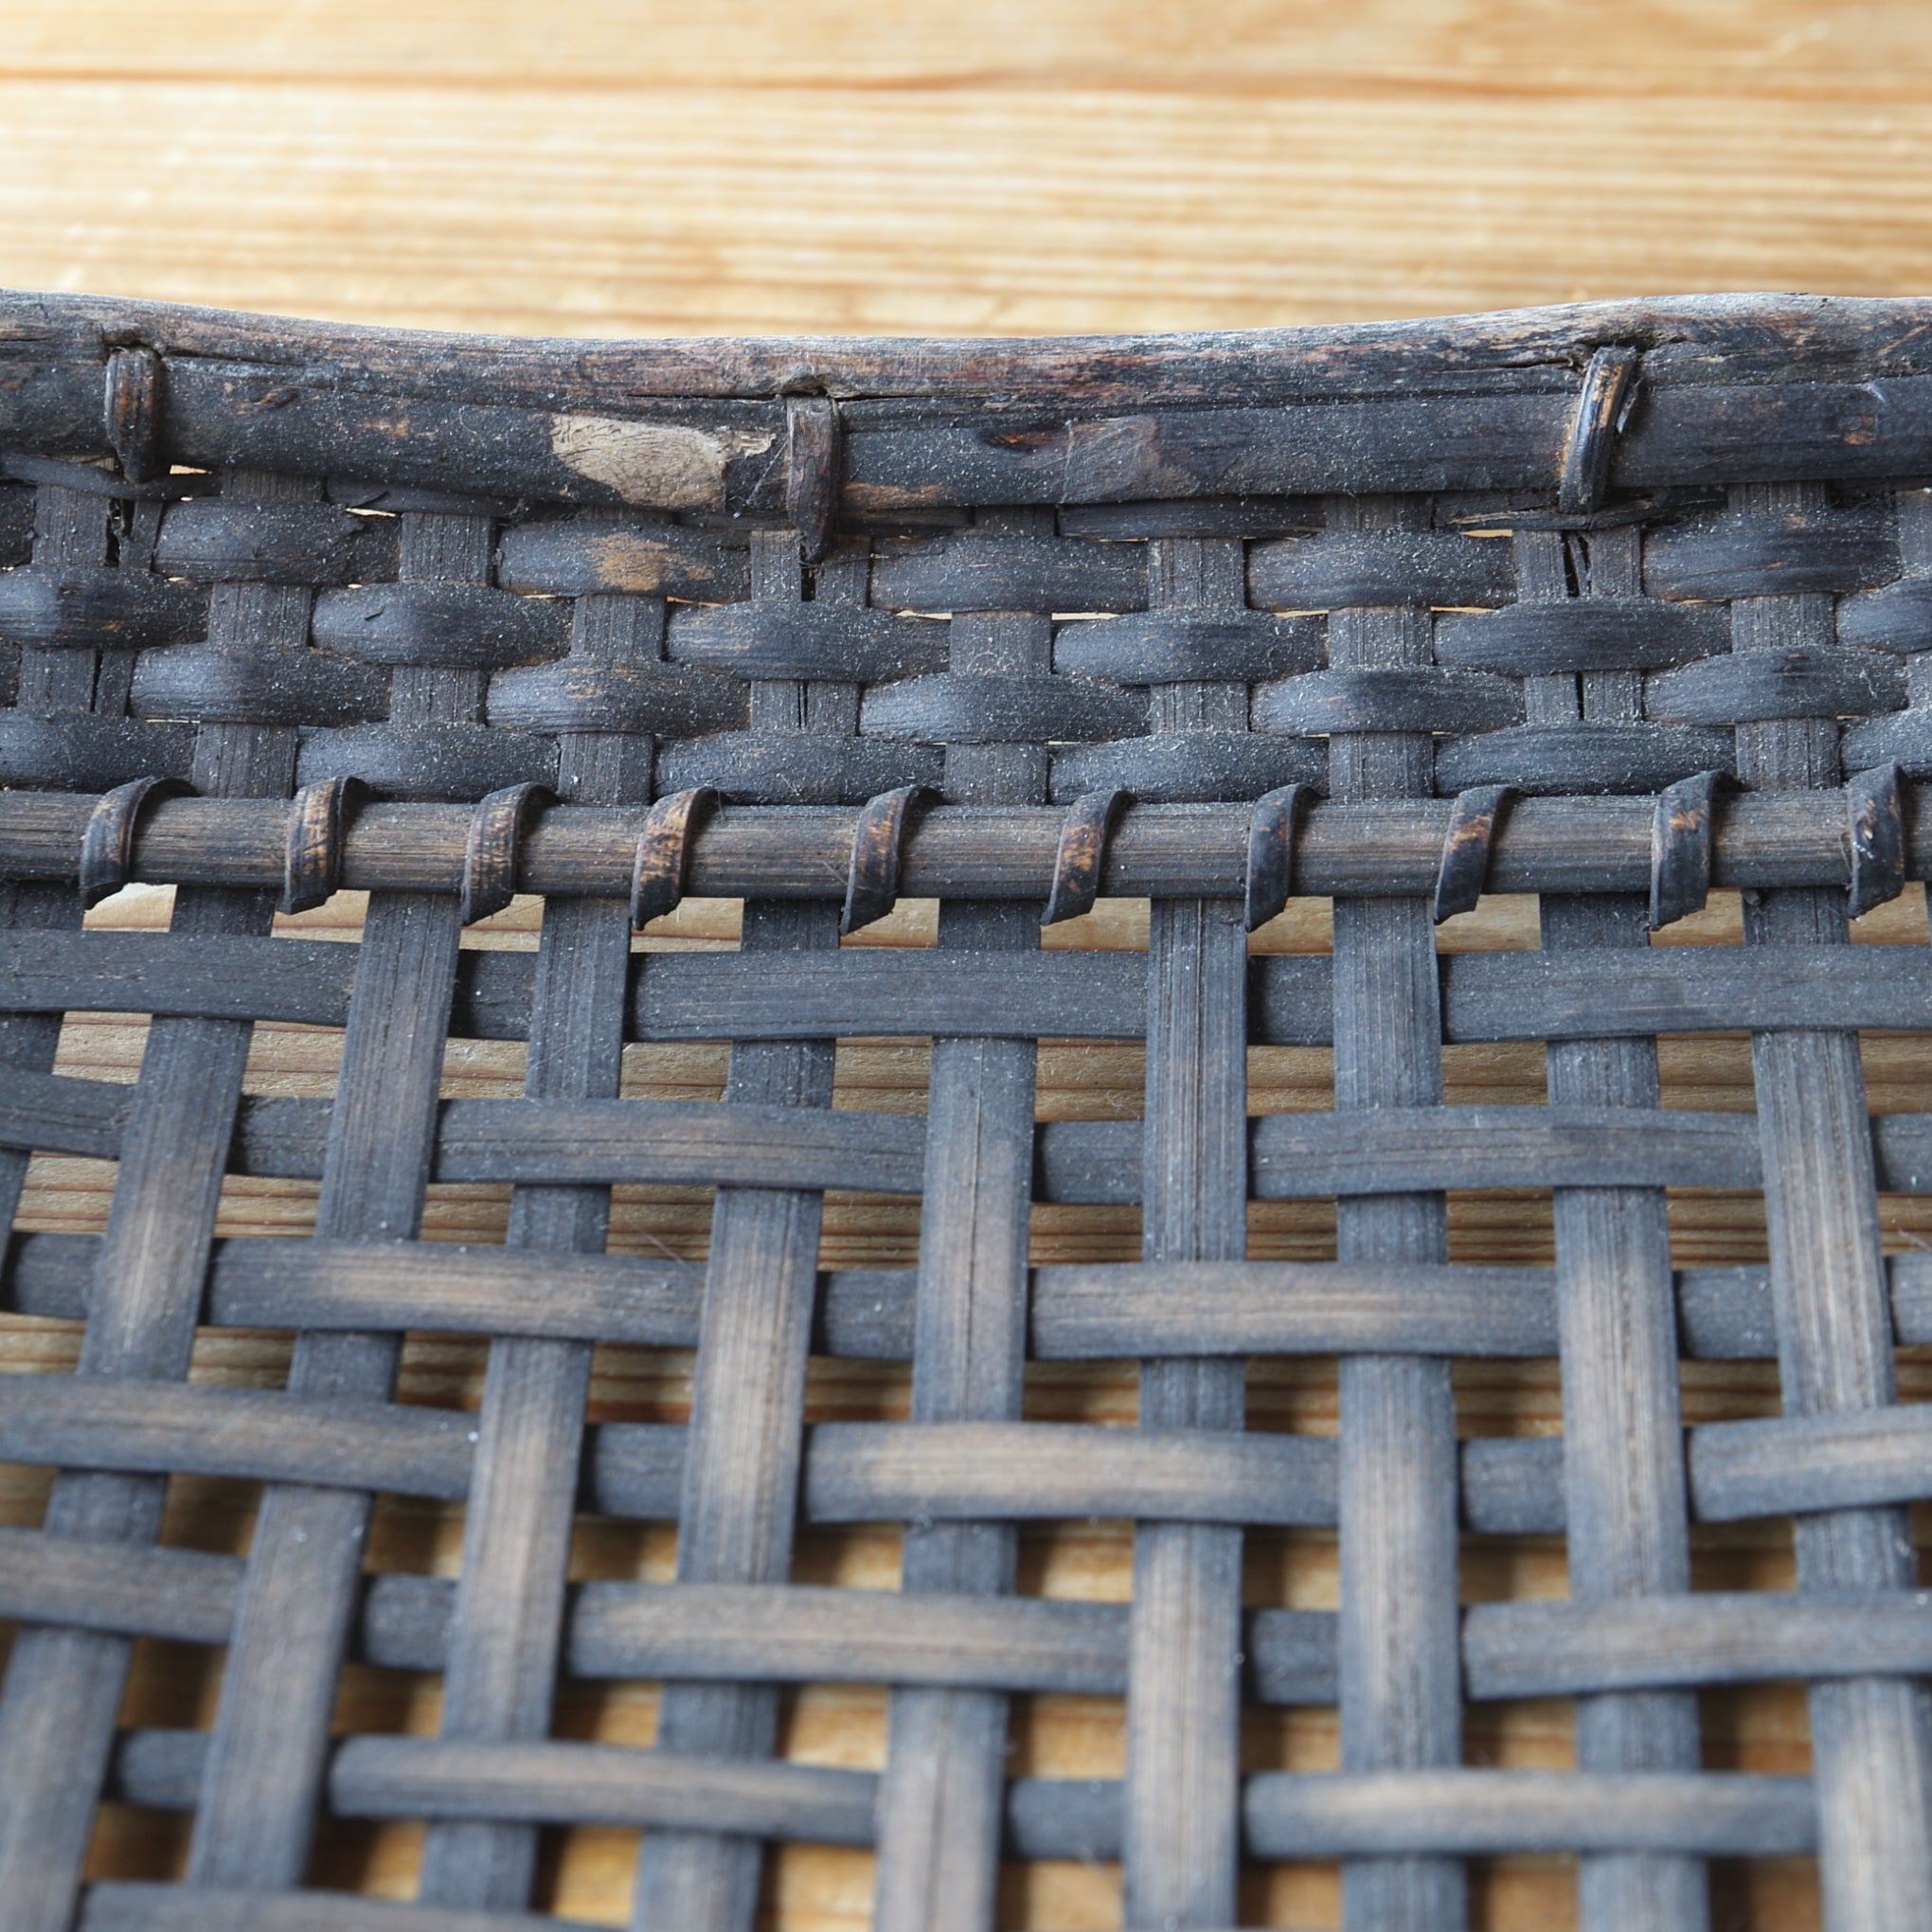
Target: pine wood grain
(1767, 47)
(610, 167)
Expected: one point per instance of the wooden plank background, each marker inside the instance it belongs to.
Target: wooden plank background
(607, 167)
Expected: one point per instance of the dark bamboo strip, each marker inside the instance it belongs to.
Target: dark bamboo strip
(1541, 1650)
(70, 534)
(1686, 989)
(1400, 1700)
(1345, 848)
(873, 1471)
(563, 1143)
(159, 1770)
(1101, 1310)
(300, 1284)
(508, 1628)
(64, 1686)
(1092, 1312)
(1047, 1818)
(739, 1143)
(256, 1815)
(1305, 1156)
(91, 1422)
(253, 1823)
(1486, 996)
(1476, 1813)
(694, 996)
(740, 1479)
(960, 1640)
(49, 1113)
(1298, 1157)
(1098, 995)
(218, 977)
(1182, 1841)
(1625, 1510)
(83, 1584)
(807, 1635)
(941, 1796)
(699, 1794)
(773, 1634)
(1808, 1463)
(1726, 1315)
(526, 1783)
(1470, 1813)
(29, 1040)
(1463, 1812)
(1872, 1740)
(1184, 1684)
(811, 1635)
(862, 1472)
(135, 1906)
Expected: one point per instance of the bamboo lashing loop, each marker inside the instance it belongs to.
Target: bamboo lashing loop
(1602, 404)
(1680, 848)
(1082, 854)
(1877, 828)
(813, 451)
(490, 857)
(878, 848)
(1465, 870)
(1270, 872)
(317, 815)
(108, 843)
(135, 399)
(663, 856)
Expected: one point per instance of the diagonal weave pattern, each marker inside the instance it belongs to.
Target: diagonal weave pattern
(1607, 606)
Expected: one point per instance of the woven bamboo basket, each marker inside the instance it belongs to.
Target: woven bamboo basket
(1613, 606)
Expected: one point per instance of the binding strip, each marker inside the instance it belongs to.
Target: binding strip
(1602, 405)
(1680, 848)
(312, 868)
(811, 466)
(108, 843)
(1464, 869)
(490, 857)
(1878, 838)
(1271, 853)
(657, 871)
(878, 849)
(136, 391)
(19, 467)
(1082, 851)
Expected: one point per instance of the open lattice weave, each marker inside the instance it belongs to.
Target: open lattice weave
(1607, 605)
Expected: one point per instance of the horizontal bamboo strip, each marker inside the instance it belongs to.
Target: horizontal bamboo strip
(134, 1906)
(861, 1472)
(1716, 1637)
(1471, 1813)
(1080, 1311)
(805, 1634)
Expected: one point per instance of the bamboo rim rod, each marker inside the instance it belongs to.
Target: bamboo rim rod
(1546, 844)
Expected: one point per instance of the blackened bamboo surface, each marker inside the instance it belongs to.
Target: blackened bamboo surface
(1309, 642)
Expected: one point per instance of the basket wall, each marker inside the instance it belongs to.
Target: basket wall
(1609, 606)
